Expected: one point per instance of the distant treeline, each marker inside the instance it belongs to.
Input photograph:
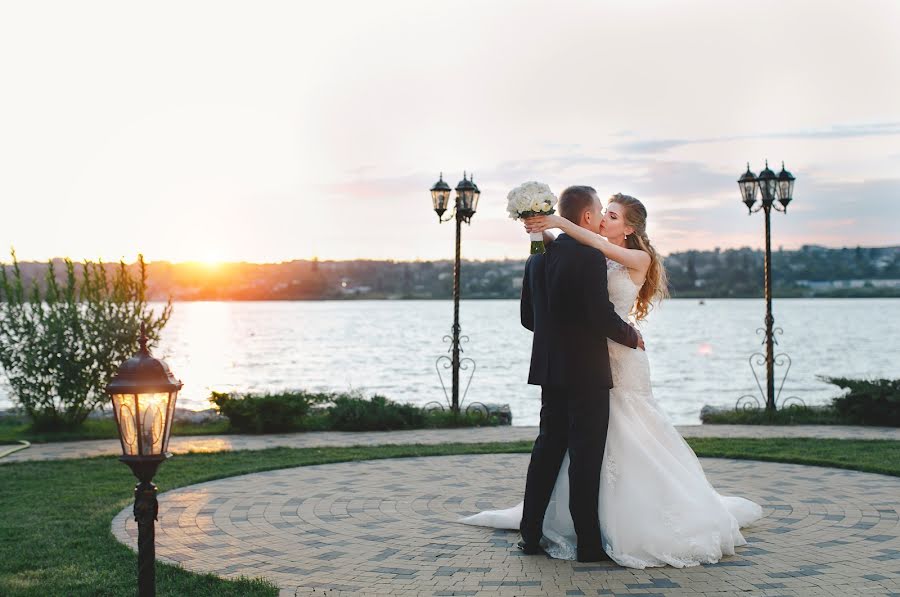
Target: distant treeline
(810, 271)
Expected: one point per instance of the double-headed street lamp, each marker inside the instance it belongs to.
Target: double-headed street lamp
(771, 187)
(143, 394)
(467, 195)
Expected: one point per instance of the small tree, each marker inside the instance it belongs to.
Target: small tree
(61, 342)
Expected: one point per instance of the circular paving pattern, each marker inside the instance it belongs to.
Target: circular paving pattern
(387, 527)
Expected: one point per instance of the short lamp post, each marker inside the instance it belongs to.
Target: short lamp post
(467, 195)
(771, 186)
(143, 394)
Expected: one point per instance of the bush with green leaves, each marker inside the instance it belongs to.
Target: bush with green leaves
(63, 338)
(354, 413)
(267, 413)
(868, 402)
(793, 414)
(310, 411)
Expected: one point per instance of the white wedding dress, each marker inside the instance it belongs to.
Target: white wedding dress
(656, 506)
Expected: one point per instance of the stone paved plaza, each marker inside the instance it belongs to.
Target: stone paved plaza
(387, 527)
(219, 443)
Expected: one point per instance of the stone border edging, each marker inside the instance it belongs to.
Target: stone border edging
(310, 439)
(22, 445)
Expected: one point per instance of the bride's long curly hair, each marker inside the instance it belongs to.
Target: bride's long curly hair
(656, 285)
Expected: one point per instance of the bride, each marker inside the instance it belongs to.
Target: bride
(656, 506)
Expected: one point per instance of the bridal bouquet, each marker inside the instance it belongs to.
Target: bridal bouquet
(531, 199)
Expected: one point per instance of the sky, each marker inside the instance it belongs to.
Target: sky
(272, 131)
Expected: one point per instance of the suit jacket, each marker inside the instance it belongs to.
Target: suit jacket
(565, 302)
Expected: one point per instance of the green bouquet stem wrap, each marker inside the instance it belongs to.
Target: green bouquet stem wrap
(537, 238)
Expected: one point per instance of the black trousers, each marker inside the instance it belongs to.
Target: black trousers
(573, 420)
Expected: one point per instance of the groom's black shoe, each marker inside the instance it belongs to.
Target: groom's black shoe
(529, 549)
(592, 555)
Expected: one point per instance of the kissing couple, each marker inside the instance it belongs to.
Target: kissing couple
(610, 477)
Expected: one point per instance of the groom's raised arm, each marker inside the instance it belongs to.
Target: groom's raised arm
(526, 306)
(601, 312)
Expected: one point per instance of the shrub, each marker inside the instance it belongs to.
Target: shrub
(354, 413)
(306, 411)
(62, 341)
(793, 414)
(440, 419)
(266, 413)
(869, 402)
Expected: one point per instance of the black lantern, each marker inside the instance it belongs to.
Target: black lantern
(467, 196)
(465, 191)
(143, 394)
(785, 187)
(440, 196)
(748, 186)
(768, 185)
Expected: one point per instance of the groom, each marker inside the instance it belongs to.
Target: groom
(566, 304)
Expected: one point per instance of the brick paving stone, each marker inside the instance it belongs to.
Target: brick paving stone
(223, 443)
(388, 527)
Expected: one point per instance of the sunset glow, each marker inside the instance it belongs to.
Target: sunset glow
(274, 136)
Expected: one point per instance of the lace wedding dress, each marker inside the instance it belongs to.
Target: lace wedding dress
(656, 506)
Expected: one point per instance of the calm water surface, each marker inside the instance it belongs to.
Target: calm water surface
(698, 353)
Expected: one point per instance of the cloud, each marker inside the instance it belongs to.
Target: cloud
(681, 179)
(383, 187)
(657, 145)
(690, 204)
(835, 132)
(835, 214)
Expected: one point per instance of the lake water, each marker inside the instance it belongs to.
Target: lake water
(698, 352)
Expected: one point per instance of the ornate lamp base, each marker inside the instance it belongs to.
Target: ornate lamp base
(146, 510)
(463, 365)
(751, 402)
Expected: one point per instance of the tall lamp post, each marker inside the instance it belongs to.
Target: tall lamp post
(143, 394)
(771, 187)
(467, 195)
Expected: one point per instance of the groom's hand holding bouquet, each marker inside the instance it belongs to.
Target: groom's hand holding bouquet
(531, 199)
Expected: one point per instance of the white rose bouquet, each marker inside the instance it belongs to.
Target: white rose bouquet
(531, 199)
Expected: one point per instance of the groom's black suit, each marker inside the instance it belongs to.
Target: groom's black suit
(565, 302)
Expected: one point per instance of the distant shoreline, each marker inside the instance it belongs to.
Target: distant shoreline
(813, 272)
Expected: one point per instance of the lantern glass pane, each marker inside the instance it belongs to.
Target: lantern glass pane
(152, 421)
(465, 200)
(170, 418)
(748, 191)
(767, 190)
(439, 200)
(785, 189)
(126, 415)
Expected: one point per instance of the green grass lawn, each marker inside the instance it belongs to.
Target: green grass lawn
(55, 516)
(12, 431)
